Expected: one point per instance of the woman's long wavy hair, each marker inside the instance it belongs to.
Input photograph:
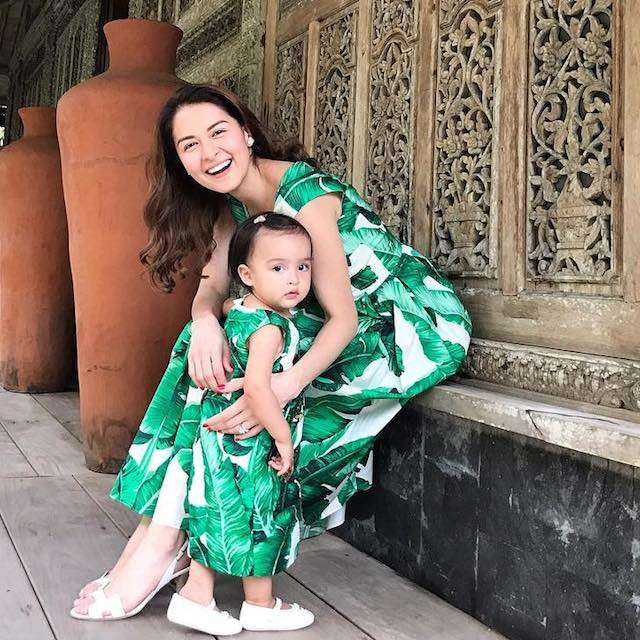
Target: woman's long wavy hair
(180, 213)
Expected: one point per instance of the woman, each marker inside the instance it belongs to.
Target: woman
(381, 325)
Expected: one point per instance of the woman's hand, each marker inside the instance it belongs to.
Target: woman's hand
(208, 356)
(285, 386)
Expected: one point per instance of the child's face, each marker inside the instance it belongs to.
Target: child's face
(279, 268)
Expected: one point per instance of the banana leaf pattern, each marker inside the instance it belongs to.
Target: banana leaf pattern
(413, 332)
(242, 518)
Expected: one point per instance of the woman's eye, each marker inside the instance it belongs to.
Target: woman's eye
(188, 146)
(217, 131)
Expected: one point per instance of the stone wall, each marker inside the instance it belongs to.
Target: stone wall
(537, 541)
(60, 48)
(222, 41)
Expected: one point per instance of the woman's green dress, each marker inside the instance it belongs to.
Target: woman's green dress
(413, 332)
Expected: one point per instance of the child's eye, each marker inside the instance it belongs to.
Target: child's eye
(303, 267)
(278, 268)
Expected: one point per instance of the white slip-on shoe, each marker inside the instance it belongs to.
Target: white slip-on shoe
(208, 619)
(255, 618)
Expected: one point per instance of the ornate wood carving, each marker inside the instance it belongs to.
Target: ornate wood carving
(289, 99)
(389, 175)
(464, 210)
(221, 25)
(610, 382)
(570, 218)
(335, 97)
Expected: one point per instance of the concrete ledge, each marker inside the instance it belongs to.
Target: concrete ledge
(600, 431)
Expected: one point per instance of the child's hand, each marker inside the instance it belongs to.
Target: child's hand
(283, 462)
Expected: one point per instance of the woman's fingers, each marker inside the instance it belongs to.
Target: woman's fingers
(226, 418)
(207, 372)
(254, 431)
(198, 377)
(244, 417)
(226, 358)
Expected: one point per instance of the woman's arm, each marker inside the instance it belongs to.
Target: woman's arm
(331, 285)
(209, 352)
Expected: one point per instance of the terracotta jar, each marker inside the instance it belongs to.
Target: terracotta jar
(126, 328)
(37, 341)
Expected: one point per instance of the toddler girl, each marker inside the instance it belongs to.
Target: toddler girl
(243, 502)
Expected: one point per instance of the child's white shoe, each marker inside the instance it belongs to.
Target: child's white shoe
(202, 618)
(255, 618)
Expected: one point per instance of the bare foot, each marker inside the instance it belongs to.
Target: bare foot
(131, 546)
(141, 573)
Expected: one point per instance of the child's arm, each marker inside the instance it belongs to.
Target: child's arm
(264, 346)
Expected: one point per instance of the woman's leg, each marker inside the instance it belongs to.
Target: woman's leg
(141, 572)
(130, 547)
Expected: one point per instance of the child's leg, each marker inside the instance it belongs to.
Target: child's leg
(258, 590)
(199, 585)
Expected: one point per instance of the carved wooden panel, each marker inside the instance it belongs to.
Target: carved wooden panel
(289, 98)
(569, 213)
(389, 172)
(464, 207)
(335, 94)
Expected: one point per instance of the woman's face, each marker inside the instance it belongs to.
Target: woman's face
(211, 145)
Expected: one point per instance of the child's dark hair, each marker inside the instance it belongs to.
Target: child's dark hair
(243, 239)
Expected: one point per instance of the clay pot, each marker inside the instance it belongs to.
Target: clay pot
(125, 327)
(37, 341)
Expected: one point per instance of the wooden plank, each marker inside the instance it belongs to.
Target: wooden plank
(64, 540)
(65, 408)
(97, 486)
(21, 614)
(510, 168)
(602, 326)
(377, 599)
(14, 464)
(313, 44)
(47, 445)
(425, 92)
(361, 97)
(630, 146)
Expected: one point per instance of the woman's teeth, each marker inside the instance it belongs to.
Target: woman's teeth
(214, 171)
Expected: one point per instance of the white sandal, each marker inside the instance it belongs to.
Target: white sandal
(102, 582)
(208, 619)
(256, 618)
(112, 605)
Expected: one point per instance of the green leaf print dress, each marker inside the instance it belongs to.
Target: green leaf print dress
(413, 332)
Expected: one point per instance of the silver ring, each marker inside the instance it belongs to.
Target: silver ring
(242, 428)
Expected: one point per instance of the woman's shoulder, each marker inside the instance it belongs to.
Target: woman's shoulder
(304, 182)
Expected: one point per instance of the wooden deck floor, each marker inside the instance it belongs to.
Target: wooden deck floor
(59, 529)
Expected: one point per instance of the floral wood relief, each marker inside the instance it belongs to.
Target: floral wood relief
(289, 102)
(569, 235)
(389, 180)
(466, 108)
(336, 95)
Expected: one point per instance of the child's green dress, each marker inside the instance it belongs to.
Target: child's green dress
(413, 332)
